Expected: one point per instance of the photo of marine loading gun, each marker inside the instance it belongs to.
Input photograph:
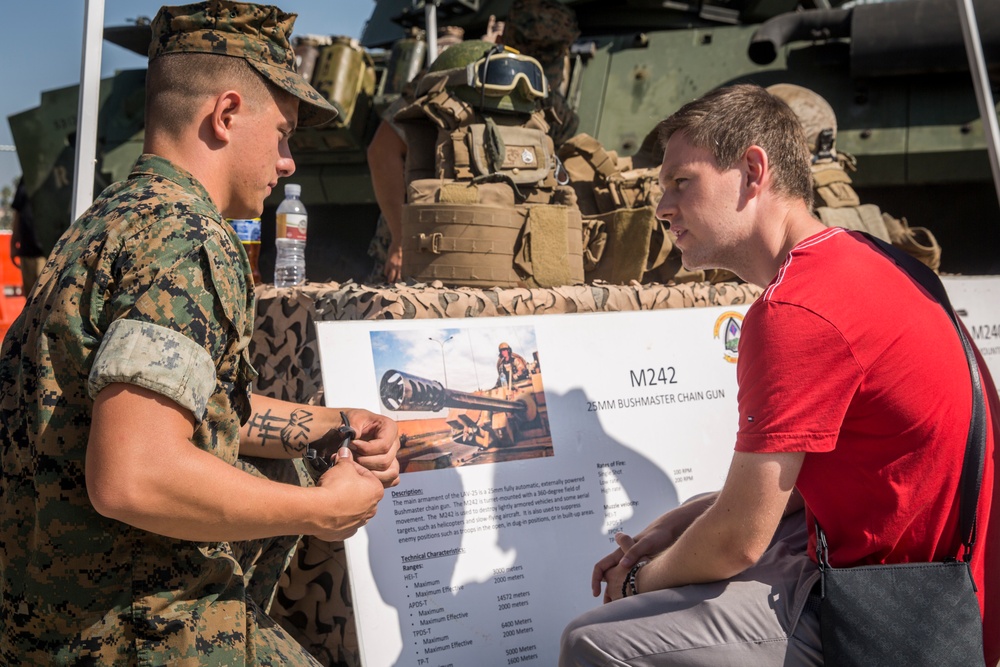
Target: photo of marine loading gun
(503, 417)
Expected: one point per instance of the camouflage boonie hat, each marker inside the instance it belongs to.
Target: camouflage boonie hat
(542, 29)
(256, 33)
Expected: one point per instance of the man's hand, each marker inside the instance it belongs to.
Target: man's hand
(615, 579)
(494, 29)
(613, 568)
(376, 445)
(393, 270)
(354, 496)
(653, 539)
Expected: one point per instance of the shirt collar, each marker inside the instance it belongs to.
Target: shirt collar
(154, 165)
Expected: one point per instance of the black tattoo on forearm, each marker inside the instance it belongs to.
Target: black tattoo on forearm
(292, 433)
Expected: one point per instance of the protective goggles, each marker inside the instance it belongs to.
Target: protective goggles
(497, 74)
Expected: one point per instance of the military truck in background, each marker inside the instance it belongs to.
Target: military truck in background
(895, 72)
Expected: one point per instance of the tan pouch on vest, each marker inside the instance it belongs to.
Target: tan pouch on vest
(527, 157)
(436, 190)
(589, 166)
(636, 188)
(550, 253)
(833, 186)
(621, 246)
(476, 245)
(864, 218)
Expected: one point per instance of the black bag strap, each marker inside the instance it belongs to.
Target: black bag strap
(973, 464)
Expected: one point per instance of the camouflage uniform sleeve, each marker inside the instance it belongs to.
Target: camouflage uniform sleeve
(179, 312)
(156, 358)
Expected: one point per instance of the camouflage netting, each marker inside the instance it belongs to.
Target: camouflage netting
(313, 602)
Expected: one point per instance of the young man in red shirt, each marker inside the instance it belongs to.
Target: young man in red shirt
(854, 403)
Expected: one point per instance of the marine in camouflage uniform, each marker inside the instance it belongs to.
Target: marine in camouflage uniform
(511, 366)
(542, 29)
(836, 202)
(150, 295)
(545, 30)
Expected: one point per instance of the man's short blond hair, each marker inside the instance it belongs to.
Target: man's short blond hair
(728, 121)
(177, 83)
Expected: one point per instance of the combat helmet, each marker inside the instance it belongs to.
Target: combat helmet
(491, 77)
(503, 346)
(816, 116)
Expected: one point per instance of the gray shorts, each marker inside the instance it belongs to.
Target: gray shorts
(758, 618)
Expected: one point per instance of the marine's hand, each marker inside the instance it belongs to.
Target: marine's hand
(376, 444)
(354, 493)
(394, 263)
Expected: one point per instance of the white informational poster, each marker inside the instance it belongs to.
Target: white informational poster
(520, 466)
(976, 299)
(484, 551)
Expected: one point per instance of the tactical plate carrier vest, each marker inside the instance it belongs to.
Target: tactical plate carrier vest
(483, 205)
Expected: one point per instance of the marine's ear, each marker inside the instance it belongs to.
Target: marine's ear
(227, 106)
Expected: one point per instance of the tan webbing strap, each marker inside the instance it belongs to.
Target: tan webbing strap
(458, 244)
(461, 155)
(660, 243)
(595, 240)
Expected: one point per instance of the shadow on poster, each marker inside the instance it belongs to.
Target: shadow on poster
(463, 396)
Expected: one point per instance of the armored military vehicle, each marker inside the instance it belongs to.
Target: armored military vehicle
(895, 73)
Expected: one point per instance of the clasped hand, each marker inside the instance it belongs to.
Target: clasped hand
(359, 475)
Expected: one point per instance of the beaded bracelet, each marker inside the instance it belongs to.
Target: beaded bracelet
(628, 586)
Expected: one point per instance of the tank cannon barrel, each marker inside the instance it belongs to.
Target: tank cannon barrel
(401, 391)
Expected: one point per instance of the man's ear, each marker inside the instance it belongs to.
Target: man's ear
(756, 167)
(227, 106)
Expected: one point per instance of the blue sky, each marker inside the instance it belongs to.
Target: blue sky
(42, 45)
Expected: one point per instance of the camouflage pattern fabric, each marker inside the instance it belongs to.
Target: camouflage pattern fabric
(378, 250)
(544, 30)
(313, 601)
(256, 33)
(562, 119)
(150, 286)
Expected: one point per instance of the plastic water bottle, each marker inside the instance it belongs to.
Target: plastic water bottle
(290, 239)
